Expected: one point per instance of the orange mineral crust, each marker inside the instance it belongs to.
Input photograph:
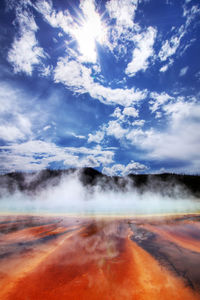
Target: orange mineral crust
(87, 258)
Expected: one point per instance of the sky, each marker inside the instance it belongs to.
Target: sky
(112, 85)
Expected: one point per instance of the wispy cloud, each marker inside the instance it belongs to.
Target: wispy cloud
(25, 52)
(78, 78)
(183, 71)
(170, 46)
(15, 123)
(167, 65)
(143, 51)
(157, 100)
(138, 123)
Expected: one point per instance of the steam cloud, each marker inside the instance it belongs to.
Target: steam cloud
(70, 196)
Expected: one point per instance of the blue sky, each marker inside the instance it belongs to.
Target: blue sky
(112, 85)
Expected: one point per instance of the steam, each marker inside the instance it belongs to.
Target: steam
(70, 196)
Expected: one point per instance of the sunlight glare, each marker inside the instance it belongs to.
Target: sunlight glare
(91, 31)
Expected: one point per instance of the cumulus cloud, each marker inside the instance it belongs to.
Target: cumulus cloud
(10, 133)
(115, 129)
(73, 75)
(117, 114)
(123, 170)
(143, 51)
(130, 111)
(97, 137)
(124, 115)
(179, 141)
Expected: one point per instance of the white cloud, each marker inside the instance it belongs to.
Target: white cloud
(117, 114)
(190, 13)
(11, 4)
(169, 47)
(37, 155)
(124, 97)
(82, 137)
(138, 123)
(183, 71)
(143, 51)
(87, 31)
(8, 98)
(45, 71)
(130, 111)
(73, 74)
(10, 133)
(119, 169)
(78, 77)
(157, 100)
(197, 75)
(25, 52)
(15, 124)
(119, 35)
(179, 141)
(56, 19)
(92, 30)
(123, 11)
(47, 127)
(164, 68)
(115, 129)
(158, 115)
(97, 137)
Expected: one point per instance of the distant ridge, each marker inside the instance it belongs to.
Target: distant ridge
(165, 183)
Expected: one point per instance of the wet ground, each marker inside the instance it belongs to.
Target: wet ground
(99, 258)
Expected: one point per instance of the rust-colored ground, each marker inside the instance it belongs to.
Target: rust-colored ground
(86, 258)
